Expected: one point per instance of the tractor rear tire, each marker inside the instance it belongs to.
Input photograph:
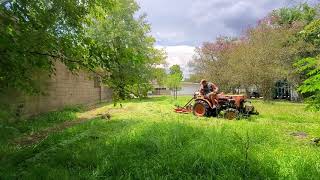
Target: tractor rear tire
(231, 114)
(201, 109)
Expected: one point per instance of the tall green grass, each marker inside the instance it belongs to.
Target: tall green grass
(12, 129)
(147, 140)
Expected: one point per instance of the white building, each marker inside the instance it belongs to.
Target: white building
(187, 88)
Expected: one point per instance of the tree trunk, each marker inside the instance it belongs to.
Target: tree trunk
(176, 93)
(139, 92)
(266, 91)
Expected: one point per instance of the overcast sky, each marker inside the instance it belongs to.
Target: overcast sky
(181, 25)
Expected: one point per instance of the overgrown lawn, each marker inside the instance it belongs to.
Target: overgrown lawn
(146, 139)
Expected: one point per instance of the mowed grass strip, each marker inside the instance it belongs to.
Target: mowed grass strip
(147, 140)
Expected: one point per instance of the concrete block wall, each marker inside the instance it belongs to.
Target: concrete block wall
(63, 89)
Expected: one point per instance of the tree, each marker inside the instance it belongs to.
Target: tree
(311, 86)
(102, 36)
(34, 34)
(174, 83)
(262, 56)
(125, 50)
(265, 57)
(311, 33)
(211, 59)
(289, 16)
(160, 75)
(176, 69)
(310, 66)
(174, 79)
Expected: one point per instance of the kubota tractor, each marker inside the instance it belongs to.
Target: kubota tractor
(229, 106)
(226, 106)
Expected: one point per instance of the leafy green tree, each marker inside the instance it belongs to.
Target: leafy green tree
(290, 15)
(311, 86)
(101, 36)
(174, 79)
(123, 47)
(176, 69)
(174, 83)
(311, 33)
(35, 33)
(160, 76)
(310, 66)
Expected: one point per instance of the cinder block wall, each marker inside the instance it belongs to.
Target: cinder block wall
(61, 90)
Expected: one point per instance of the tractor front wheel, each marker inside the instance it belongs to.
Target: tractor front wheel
(201, 109)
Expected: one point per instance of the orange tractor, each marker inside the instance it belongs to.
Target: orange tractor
(226, 106)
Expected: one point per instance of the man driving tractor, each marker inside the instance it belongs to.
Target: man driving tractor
(209, 103)
(209, 90)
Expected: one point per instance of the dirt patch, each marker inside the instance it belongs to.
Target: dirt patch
(101, 111)
(91, 113)
(300, 135)
(41, 135)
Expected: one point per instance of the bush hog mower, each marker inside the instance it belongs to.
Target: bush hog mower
(226, 106)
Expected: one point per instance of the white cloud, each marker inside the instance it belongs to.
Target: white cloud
(180, 55)
(191, 22)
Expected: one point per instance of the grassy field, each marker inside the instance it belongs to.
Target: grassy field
(147, 140)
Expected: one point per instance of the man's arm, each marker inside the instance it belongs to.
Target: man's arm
(201, 90)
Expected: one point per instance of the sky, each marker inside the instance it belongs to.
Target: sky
(181, 25)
